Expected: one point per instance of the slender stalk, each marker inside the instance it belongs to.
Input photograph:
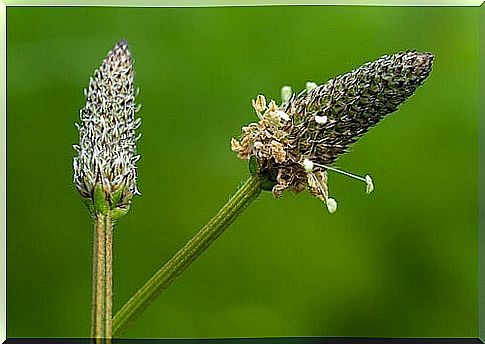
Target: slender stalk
(108, 299)
(164, 277)
(101, 312)
(97, 325)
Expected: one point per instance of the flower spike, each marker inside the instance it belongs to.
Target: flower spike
(105, 166)
(294, 151)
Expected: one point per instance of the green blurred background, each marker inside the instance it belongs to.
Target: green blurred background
(400, 262)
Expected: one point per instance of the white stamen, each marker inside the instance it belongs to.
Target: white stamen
(310, 85)
(308, 165)
(331, 205)
(370, 185)
(286, 93)
(367, 179)
(321, 119)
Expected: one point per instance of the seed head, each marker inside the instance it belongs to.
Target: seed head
(295, 151)
(105, 165)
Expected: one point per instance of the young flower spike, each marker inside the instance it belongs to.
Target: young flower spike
(324, 120)
(105, 166)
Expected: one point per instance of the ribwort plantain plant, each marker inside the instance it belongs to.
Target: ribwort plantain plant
(292, 146)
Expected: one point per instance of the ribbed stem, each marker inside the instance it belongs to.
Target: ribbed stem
(101, 310)
(108, 293)
(186, 255)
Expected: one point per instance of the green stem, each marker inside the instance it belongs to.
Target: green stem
(108, 292)
(97, 326)
(101, 310)
(186, 255)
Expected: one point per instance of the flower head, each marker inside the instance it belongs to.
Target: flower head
(105, 165)
(294, 151)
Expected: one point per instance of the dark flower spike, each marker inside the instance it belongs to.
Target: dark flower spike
(105, 168)
(293, 145)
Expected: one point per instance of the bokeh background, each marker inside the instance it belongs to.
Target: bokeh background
(400, 262)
